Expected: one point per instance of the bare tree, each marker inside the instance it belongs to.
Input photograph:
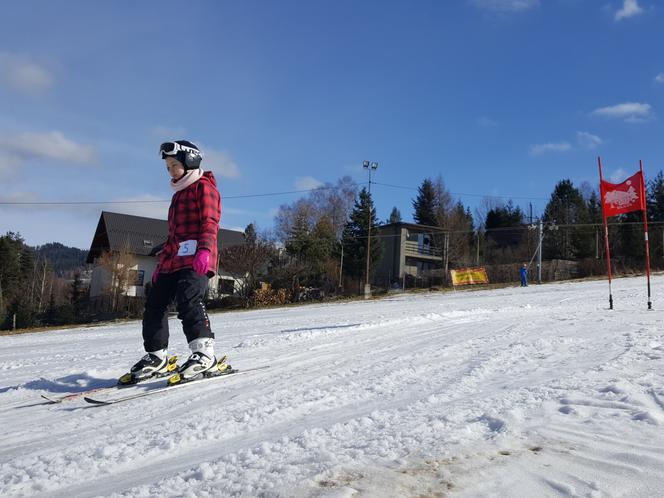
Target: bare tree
(486, 205)
(334, 202)
(245, 264)
(119, 265)
(443, 203)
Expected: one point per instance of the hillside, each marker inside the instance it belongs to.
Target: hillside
(62, 258)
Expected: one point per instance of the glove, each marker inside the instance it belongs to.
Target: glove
(201, 260)
(155, 275)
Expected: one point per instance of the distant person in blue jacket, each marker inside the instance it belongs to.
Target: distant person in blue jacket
(523, 271)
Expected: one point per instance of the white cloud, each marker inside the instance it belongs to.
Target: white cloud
(504, 6)
(486, 122)
(9, 163)
(16, 200)
(49, 145)
(659, 78)
(632, 112)
(618, 176)
(588, 140)
(307, 183)
(219, 162)
(630, 8)
(24, 75)
(538, 149)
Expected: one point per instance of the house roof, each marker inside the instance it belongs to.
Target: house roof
(141, 235)
(412, 226)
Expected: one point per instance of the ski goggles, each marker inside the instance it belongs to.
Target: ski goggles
(172, 148)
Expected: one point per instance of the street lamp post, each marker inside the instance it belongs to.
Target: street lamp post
(369, 166)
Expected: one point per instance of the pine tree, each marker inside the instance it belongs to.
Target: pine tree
(443, 204)
(250, 234)
(17, 281)
(594, 209)
(655, 198)
(499, 220)
(10, 268)
(567, 208)
(51, 314)
(299, 237)
(460, 224)
(355, 237)
(595, 217)
(655, 206)
(76, 296)
(630, 244)
(425, 204)
(395, 216)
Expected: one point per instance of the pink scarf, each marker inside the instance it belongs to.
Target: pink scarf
(189, 177)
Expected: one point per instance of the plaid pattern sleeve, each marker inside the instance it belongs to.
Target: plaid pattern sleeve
(209, 206)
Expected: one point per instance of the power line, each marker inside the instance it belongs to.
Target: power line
(246, 196)
(464, 194)
(249, 196)
(73, 203)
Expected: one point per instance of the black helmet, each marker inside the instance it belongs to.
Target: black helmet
(182, 150)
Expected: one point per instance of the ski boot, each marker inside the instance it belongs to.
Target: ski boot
(148, 367)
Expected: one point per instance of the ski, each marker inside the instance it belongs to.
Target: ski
(167, 388)
(72, 396)
(172, 366)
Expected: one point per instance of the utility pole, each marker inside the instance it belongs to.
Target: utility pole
(539, 251)
(341, 265)
(41, 292)
(447, 252)
(477, 257)
(369, 166)
(340, 236)
(531, 212)
(540, 237)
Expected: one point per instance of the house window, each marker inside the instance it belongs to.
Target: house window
(136, 277)
(226, 286)
(424, 243)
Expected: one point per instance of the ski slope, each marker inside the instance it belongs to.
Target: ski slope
(536, 392)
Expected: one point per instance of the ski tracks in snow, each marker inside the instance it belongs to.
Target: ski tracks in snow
(501, 393)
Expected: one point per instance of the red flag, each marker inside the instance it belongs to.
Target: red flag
(623, 197)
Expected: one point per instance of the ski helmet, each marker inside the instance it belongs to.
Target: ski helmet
(184, 151)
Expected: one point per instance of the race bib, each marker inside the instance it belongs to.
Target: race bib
(187, 248)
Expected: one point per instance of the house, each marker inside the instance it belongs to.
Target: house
(141, 237)
(408, 249)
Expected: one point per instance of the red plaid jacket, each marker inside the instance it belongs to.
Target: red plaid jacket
(194, 215)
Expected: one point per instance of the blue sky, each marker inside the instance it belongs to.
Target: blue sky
(500, 97)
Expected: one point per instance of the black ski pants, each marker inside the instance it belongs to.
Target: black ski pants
(188, 288)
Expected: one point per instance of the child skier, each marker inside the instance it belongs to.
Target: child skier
(187, 261)
(523, 272)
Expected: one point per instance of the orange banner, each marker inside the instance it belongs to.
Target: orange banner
(469, 276)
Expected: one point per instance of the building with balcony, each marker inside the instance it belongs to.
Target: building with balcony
(408, 249)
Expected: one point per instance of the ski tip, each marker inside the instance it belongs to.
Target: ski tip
(96, 401)
(51, 400)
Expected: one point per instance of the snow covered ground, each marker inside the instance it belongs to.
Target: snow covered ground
(516, 392)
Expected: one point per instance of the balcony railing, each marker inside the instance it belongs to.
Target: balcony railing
(414, 249)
